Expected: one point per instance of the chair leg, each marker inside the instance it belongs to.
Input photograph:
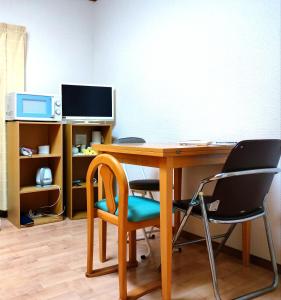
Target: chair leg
(90, 245)
(271, 249)
(122, 263)
(150, 234)
(147, 244)
(226, 236)
(275, 280)
(210, 248)
(145, 237)
(102, 240)
(132, 248)
(152, 231)
(183, 222)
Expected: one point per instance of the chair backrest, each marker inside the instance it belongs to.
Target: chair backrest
(131, 140)
(110, 168)
(242, 195)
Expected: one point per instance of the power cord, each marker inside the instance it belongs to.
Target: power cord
(41, 213)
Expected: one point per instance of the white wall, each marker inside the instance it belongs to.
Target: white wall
(195, 69)
(182, 69)
(60, 40)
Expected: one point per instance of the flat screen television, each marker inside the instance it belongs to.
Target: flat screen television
(87, 102)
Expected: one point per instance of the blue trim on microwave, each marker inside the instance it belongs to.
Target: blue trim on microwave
(47, 100)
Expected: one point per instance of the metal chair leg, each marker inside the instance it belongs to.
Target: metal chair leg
(183, 222)
(210, 248)
(275, 280)
(271, 249)
(150, 234)
(145, 238)
(226, 236)
(147, 245)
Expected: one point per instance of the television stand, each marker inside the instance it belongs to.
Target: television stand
(76, 166)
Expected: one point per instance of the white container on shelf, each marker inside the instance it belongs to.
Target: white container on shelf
(44, 149)
(96, 137)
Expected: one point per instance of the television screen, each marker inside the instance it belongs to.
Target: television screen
(87, 102)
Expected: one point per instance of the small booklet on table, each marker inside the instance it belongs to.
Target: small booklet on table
(205, 143)
(195, 142)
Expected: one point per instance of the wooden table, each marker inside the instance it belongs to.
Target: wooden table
(170, 159)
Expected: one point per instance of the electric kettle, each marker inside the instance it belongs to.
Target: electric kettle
(44, 176)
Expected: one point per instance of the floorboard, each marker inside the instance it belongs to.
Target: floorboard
(49, 262)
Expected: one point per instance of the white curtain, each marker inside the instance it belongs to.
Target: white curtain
(12, 78)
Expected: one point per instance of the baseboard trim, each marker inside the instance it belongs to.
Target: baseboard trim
(3, 213)
(237, 253)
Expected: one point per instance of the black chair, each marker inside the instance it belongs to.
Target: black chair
(239, 196)
(143, 186)
(140, 185)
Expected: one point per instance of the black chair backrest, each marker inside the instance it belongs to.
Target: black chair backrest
(243, 195)
(130, 140)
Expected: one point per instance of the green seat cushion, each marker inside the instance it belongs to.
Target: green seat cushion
(139, 208)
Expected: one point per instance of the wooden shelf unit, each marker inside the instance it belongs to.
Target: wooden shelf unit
(76, 166)
(23, 194)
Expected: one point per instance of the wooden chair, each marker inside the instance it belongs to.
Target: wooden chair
(129, 213)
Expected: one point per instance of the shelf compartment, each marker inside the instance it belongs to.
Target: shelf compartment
(80, 168)
(44, 220)
(36, 189)
(77, 215)
(87, 129)
(33, 135)
(29, 170)
(35, 202)
(47, 219)
(82, 185)
(79, 201)
(79, 204)
(84, 155)
(40, 156)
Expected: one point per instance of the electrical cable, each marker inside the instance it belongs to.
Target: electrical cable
(38, 213)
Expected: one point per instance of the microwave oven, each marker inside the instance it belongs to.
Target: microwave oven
(33, 107)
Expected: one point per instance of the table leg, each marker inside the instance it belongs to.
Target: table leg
(166, 187)
(177, 195)
(246, 233)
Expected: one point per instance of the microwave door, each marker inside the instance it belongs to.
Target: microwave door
(35, 107)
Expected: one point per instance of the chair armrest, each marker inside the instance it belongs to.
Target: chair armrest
(228, 175)
(240, 173)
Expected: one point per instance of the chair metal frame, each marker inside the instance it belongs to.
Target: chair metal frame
(198, 199)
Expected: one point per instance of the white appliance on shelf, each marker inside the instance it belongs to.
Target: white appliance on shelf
(33, 107)
(44, 176)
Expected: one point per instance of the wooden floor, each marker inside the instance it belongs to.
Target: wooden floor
(49, 262)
